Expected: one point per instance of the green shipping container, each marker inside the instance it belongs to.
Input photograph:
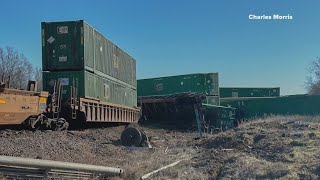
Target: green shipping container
(219, 116)
(207, 83)
(226, 92)
(75, 45)
(91, 86)
(284, 105)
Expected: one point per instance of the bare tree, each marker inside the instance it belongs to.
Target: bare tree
(15, 65)
(313, 78)
(37, 76)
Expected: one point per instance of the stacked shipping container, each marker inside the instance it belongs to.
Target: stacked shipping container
(74, 51)
(228, 92)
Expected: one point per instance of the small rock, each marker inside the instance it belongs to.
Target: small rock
(312, 135)
(297, 134)
(290, 122)
(300, 124)
(259, 137)
(296, 143)
(38, 157)
(302, 176)
(291, 155)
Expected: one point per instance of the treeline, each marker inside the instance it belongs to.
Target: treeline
(17, 66)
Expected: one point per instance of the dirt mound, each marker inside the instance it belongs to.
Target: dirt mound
(258, 150)
(224, 142)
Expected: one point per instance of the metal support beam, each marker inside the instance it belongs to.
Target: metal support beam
(196, 111)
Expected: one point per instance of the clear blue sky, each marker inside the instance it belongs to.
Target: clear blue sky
(170, 37)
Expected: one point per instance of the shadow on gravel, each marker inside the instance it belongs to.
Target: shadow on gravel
(273, 175)
(11, 127)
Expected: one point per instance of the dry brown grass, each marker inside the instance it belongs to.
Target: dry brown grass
(243, 166)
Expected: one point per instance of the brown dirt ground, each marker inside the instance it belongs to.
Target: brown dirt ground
(280, 147)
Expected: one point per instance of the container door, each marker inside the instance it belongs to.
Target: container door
(62, 46)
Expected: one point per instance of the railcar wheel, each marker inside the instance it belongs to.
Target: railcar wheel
(131, 137)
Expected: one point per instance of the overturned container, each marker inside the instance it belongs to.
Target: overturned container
(204, 83)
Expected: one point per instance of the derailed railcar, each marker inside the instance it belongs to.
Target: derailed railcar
(18, 105)
(86, 78)
(186, 111)
(41, 110)
(235, 92)
(29, 108)
(249, 108)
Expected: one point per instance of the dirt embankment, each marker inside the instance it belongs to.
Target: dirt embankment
(273, 148)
